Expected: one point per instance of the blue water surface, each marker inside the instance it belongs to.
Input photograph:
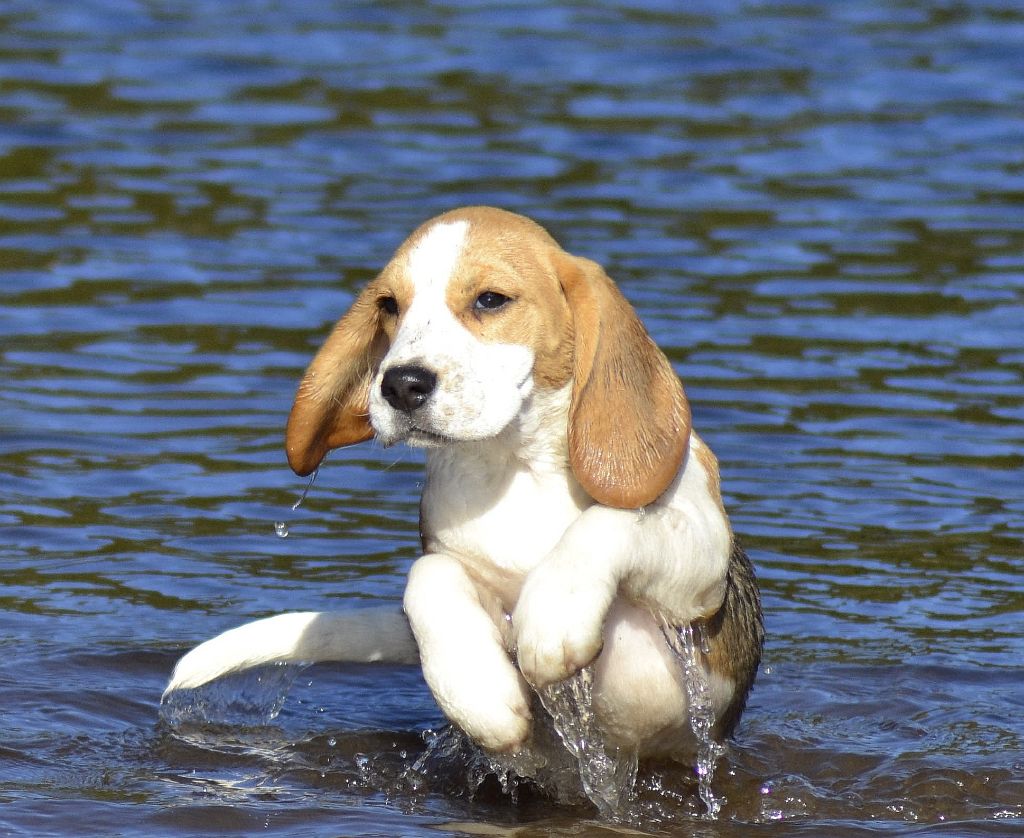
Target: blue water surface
(818, 210)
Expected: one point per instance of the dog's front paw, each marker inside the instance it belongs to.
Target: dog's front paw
(558, 624)
(501, 727)
(485, 696)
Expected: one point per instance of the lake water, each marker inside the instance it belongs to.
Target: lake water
(817, 208)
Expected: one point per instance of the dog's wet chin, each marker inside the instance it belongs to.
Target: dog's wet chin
(397, 428)
(418, 438)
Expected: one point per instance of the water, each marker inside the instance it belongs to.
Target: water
(252, 698)
(607, 774)
(688, 642)
(817, 208)
(281, 527)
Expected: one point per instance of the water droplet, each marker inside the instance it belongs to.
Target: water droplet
(281, 528)
(305, 491)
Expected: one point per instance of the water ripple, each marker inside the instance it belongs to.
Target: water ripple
(815, 207)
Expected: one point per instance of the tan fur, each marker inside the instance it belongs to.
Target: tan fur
(331, 405)
(710, 462)
(513, 257)
(629, 423)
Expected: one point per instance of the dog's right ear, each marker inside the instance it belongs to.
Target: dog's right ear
(331, 407)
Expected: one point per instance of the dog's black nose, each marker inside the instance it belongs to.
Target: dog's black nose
(408, 387)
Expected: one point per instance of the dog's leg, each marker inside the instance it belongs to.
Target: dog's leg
(670, 561)
(463, 656)
(358, 636)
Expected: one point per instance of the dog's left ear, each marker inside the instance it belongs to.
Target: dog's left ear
(629, 421)
(331, 406)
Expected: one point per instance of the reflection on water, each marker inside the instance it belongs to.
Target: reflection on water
(818, 209)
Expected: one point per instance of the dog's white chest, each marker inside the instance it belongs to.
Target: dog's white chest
(500, 521)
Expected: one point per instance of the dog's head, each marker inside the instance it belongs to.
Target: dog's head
(478, 309)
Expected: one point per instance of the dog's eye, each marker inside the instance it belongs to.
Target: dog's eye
(389, 305)
(490, 300)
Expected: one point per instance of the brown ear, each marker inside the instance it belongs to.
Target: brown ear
(331, 406)
(629, 421)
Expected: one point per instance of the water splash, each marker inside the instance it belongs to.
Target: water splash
(568, 758)
(688, 642)
(608, 774)
(281, 527)
(452, 760)
(565, 758)
(455, 763)
(244, 699)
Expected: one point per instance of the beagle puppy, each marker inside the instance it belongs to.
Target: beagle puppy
(570, 513)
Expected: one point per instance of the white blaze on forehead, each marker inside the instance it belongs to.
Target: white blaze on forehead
(433, 259)
(429, 325)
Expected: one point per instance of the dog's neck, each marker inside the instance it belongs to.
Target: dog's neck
(500, 505)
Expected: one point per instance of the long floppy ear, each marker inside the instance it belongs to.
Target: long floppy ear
(629, 421)
(331, 406)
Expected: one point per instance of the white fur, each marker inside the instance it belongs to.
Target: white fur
(484, 693)
(362, 636)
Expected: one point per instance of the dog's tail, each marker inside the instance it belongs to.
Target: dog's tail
(357, 636)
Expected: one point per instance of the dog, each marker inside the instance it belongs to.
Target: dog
(569, 515)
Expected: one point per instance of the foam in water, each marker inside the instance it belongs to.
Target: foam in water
(455, 761)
